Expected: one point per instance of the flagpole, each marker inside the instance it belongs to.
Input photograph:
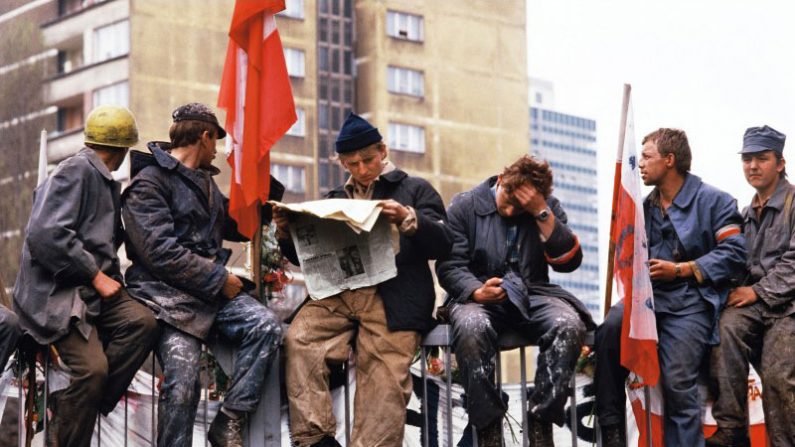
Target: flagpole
(256, 255)
(42, 158)
(611, 251)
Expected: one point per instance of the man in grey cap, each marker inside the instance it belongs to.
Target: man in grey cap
(758, 323)
(176, 220)
(383, 322)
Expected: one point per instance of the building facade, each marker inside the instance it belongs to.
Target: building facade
(445, 82)
(568, 143)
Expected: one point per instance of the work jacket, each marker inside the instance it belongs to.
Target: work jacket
(73, 233)
(771, 252)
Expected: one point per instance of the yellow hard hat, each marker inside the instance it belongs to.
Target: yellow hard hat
(111, 126)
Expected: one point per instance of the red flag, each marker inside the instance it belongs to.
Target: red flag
(256, 93)
(631, 270)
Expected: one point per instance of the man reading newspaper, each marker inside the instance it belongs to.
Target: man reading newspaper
(383, 322)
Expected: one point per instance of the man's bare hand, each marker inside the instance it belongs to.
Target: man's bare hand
(282, 221)
(232, 286)
(394, 211)
(741, 297)
(105, 286)
(530, 199)
(490, 292)
(660, 270)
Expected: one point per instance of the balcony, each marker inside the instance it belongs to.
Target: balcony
(74, 24)
(87, 79)
(64, 144)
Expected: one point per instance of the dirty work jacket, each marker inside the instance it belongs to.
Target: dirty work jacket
(771, 252)
(409, 297)
(73, 233)
(707, 223)
(480, 250)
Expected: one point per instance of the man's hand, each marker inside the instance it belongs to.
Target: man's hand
(741, 297)
(490, 292)
(282, 221)
(232, 286)
(105, 286)
(530, 199)
(394, 212)
(665, 271)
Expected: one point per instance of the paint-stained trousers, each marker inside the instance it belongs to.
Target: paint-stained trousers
(553, 325)
(256, 333)
(749, 336)
(323, 333)
(9, 334)
(101, 367)
(681, 348)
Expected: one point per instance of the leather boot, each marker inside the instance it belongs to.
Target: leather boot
(226, 431)
(491, 435)
(729, 437)
(539, 432)
(614, 436)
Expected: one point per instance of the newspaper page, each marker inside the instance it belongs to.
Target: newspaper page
(335, 258)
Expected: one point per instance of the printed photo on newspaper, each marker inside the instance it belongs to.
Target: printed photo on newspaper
(334, 256)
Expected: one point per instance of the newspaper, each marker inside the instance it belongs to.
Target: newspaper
(342, 245)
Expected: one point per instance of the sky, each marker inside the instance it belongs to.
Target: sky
(712, 68)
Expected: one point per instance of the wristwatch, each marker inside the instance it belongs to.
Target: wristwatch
(543, 215)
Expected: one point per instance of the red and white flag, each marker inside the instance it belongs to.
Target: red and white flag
(631, 268)
(258, 99)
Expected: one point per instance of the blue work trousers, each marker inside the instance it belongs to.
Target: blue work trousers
(256, 334)
(682, 348)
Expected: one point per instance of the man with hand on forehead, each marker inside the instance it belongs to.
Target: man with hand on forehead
(507, 232)
(383, 322)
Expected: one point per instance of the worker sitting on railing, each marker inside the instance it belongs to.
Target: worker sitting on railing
(383, 321)
(69, 291)
(176, 219)
(507, 232)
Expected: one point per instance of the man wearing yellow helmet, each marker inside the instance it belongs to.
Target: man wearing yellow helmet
(69, 291)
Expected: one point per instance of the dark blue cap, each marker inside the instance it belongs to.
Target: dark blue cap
(197, 112)
(356, 133)
(760, 139)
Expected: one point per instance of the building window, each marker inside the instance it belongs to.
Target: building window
(401, 25)
(69, 118)
(111, 41)
(405, 137)
(299, 127)
(292, 177)
(295, 62)
(406, 81)
(293, 9)
(116, 94)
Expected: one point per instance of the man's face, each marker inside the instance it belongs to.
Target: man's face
(365, 165)
(653, 166)
(207, 149)
(116, 158)
(507, 205)
(762, 169)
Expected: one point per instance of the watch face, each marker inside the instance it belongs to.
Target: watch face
(543, 215)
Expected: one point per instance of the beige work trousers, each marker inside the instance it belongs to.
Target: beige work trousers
(323, 333)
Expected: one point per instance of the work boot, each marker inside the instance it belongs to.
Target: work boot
(729, 437)
(614, 436)
(491, 435)
(539, 432)
(226, 431)
(327, 441)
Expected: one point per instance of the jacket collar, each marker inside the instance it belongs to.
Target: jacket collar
(159, 157)
(97, 162)
(685, 195)
(779, 195)
(484, 199)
